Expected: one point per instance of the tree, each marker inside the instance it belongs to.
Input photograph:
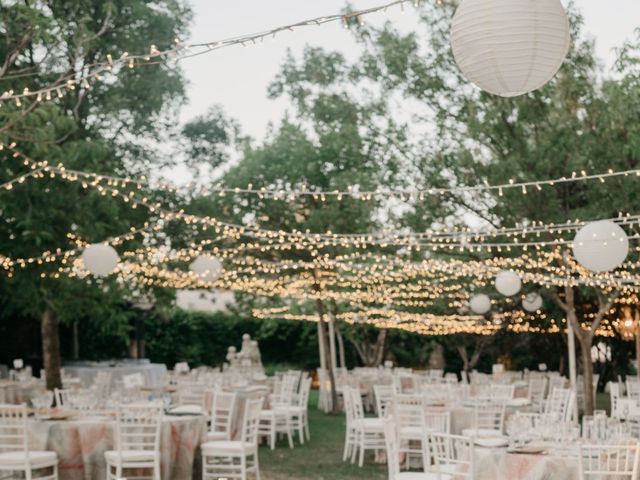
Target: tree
(104, 127)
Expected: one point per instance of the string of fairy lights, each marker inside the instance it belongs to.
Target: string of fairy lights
(181, 50)
(376, 274)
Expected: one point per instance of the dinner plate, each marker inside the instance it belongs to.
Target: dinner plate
(532, 450)
(491, 442)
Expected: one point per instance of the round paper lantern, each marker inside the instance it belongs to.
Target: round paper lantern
(480, 304)
(100, 259)
(206, 267)
(532, 302)
(510, 47)
(601, 246)
(508, 283)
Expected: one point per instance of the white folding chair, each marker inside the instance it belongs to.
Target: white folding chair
(235, 459)
(15, 455)
(608, 461)
(299, 411)
(137, 440)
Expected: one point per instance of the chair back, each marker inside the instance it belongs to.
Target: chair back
(63, 397)
(608, 461)
(437, 421)
(13, 428)
(192, 393)
(537, 392)
(560, 402)
(251, 421)
(384, 396)
(408, 411)
(452, 453)
(222, 410)
(138, 427)
(501, 392)
(303, 395)
(489, 415)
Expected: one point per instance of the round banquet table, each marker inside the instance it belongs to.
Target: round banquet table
(81, 443)
(498, 464)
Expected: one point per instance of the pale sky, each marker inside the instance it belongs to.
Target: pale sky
(237, 77)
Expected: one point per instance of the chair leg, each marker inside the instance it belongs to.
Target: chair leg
(257, 464)
(361, 459)
(289, 436)
(347, 445)
(306, 426)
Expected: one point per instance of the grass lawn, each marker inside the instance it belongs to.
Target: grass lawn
(319, 459)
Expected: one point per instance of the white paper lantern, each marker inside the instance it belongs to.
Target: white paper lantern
(601, 246)
(510, 47)
(208, 268)
(508, 283)
(480, 304)
(100, 259)
(532, 302)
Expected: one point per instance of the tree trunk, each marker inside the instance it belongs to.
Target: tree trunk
(587, 373)
(343, 363)
(76, 341)
(381, 343)
(325, 342)
(51, 349)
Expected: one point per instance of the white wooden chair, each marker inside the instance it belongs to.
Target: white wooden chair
(556, 381)
(393, 455)
(608, 461)
(15, 455)
(409, 415)
(235, 459)
(537, 392)
(192, 395)
(63, 397)
(501, 393)
(488, 420)
(560, 402)
(384, 396)
(137, 440)
(633, 388)
(223, 407)
(453, 456)
(367, 433)
(299, 411)
(277, 420)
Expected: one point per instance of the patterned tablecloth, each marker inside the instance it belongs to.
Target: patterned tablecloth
(497, 464)
(80, 445)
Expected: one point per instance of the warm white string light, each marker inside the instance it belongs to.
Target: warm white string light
(180, 51)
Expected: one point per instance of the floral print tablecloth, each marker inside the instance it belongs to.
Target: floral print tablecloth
(81, 443)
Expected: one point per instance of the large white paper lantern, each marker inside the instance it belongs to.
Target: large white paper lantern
(508, 283)
(100, 259)
(601, 246)
(480, 304)
(208, 268)
(532, 302)
(510, 47)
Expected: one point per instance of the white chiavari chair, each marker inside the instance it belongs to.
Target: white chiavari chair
(393, 455)
(409, 416)
(453, 456)
(384, 397)
(235, 459)
(608, 461)
(488, 419)
(15, 455)
(633, 388)
(137, 440)
(223, 407)
(369, 431)
(298, 412)
(537, 392)
(560, 402)
(501, 393)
